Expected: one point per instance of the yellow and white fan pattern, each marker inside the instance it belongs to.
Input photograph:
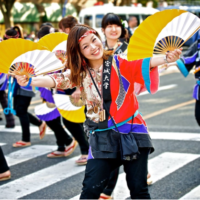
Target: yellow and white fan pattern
(56, 43)
(162, 32)
(68, 110)
(24, 57)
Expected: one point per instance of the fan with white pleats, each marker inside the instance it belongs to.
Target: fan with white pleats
(162, 32)
(24, 57)
(68, 110)
(56, 43)
(37, 62)
(45, 113)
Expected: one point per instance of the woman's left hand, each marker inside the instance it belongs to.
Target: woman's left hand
(173, 56)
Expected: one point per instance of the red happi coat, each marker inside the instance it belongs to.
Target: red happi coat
(118, 78)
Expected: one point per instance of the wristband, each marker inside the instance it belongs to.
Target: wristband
(165, 59)
(29, 83)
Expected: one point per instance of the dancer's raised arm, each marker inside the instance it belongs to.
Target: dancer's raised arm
(44, 81)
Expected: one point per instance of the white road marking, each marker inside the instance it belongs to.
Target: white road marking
(193, 194)
(28, 153)
(175, 136)
(40, 179)
(167, 87)
(2, 144)
(17, 129)
(159, 167)
(33, 130)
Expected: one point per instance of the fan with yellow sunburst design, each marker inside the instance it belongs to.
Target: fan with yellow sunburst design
(24, 57)
(162, 32)
(71, 111)
(56, 43)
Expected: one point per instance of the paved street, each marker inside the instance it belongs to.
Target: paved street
(174, 166)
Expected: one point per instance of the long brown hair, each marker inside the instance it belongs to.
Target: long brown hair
(67, 22)
(75, 60)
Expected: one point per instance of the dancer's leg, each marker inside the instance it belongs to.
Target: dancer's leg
(61, 135)
(21, 104)
(76, 129)
(136, 175)
(96, 176)
(197, 111)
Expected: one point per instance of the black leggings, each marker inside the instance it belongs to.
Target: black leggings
(10, 121)
(3, 164)
(76, 129)
(98, 170)
(62, 137)
(197, 111)
(112, 181)
(21, 104)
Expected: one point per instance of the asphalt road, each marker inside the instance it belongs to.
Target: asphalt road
(174, 166)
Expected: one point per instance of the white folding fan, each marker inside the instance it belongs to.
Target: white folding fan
(56, 43)
(43, 112)
(162, 32)
(24, 57)
(68, 110)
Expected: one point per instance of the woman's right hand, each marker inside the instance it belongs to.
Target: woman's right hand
(22, 80)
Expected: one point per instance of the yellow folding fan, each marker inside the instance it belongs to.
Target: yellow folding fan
(69, 110)
(162, 32)
(57, 43)
(24, 57)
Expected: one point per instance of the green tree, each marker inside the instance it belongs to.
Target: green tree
(6, 7)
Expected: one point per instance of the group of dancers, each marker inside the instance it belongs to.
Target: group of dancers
(107, 83)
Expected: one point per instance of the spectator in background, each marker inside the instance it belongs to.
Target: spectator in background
(132, 25)
(67, 23)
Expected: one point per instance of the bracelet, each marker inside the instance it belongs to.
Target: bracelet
(29, 83)
(165, 59)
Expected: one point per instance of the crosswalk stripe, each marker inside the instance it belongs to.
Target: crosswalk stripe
(154, 135)
(159, 167)
(40, 179)
(175, 136)
(166, 87)
(193, 194)
(28, 153)
(2, 144)
(17, 129)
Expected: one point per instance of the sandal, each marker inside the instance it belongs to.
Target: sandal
(104, 196)
(5, 176)
(149, 181)
(21, 144)
(43, 130)
(70, 148)
(82, 160)
(56, 154)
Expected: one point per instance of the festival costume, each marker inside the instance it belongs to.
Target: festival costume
(119, 77)
(185, 64)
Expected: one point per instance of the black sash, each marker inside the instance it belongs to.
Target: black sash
(106, 95)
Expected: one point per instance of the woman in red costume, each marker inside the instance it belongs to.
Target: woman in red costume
(118, 135)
